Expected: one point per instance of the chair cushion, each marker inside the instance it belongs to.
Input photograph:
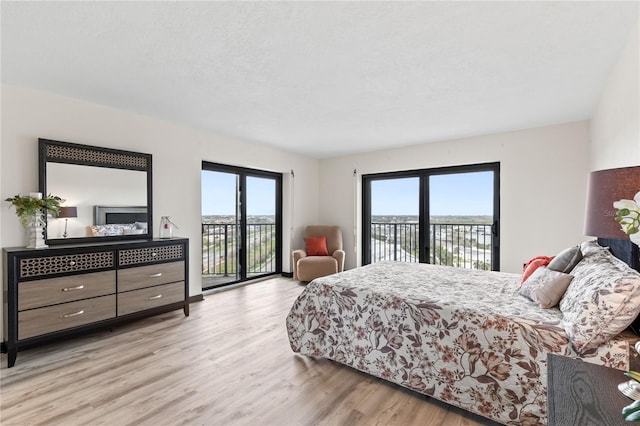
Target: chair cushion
(316, 246)
(310, 268)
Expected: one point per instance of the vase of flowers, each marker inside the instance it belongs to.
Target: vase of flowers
(31, 210)
(628, 216)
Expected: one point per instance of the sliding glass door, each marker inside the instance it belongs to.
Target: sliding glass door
(446, 216)
(220, 228)
(261, 230)
(395, 230)
(241, 224)
(461, 219)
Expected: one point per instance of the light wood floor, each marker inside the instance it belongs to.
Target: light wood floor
(229, 363)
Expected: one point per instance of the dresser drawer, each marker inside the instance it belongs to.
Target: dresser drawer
(146, 276)
(166, 252)
(59, 317)
(139, 300)
(47, 265)
(51, 291)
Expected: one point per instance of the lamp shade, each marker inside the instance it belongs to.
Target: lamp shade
(603, 189)
(68, 212)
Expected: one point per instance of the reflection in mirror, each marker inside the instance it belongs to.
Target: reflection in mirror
(108, 191)
(86, 187)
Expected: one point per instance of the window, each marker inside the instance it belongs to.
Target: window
(446, 216)
(241, 224)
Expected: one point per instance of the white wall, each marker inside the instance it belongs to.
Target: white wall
(177, 152)
(543, 180)
(543, 171)
(615, 125)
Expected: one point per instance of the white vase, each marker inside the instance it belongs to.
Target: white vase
(35, 231)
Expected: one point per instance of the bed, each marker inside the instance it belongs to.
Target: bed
(467, 337)
(112, 221)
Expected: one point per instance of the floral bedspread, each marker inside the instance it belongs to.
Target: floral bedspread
(462, 336)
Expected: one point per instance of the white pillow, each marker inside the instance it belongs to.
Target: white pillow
(602, 300)
(133, 231)
(546, 286)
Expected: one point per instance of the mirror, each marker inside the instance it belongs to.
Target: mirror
(110, 190)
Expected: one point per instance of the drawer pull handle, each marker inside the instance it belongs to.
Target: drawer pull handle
(154, 254)
(158, 275)
(157, 296)
(73, 314)
(78, 287)
(72, 263)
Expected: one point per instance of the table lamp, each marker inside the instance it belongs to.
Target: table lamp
(66, 213)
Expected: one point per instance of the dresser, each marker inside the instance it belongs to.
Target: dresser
(59, 291)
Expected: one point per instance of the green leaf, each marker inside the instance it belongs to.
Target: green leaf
(631, 412)
(26, 206)
(634, 375)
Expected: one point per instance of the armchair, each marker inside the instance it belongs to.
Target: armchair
(308, 268)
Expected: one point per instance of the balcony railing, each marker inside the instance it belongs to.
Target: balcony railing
(220, 246)
(453, 244)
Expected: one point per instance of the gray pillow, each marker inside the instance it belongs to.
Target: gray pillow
(546, 287)
(566, 260)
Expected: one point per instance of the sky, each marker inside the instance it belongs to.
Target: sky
(460, 194)
(219, 195)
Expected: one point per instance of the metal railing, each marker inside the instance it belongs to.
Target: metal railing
(220, 246)
(453, 244)
(394, 241)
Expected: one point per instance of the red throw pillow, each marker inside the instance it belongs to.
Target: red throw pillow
(316, 246)
(534, 264)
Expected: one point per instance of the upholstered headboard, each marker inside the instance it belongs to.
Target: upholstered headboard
(624, 250)
(104, 215)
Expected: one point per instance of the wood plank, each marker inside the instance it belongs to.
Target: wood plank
(228, 363)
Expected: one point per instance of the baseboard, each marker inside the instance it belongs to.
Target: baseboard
(196, 298)
(287, 274)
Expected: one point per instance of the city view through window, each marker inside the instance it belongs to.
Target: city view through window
(459, 224)
(221, 227)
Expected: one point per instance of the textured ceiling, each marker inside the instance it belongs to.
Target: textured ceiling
(324, 78)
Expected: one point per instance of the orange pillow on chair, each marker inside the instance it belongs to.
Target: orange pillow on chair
(316, 246)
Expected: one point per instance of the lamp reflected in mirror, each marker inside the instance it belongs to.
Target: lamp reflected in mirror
(66, 213)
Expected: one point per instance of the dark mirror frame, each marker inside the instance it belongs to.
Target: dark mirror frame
(51, 151)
